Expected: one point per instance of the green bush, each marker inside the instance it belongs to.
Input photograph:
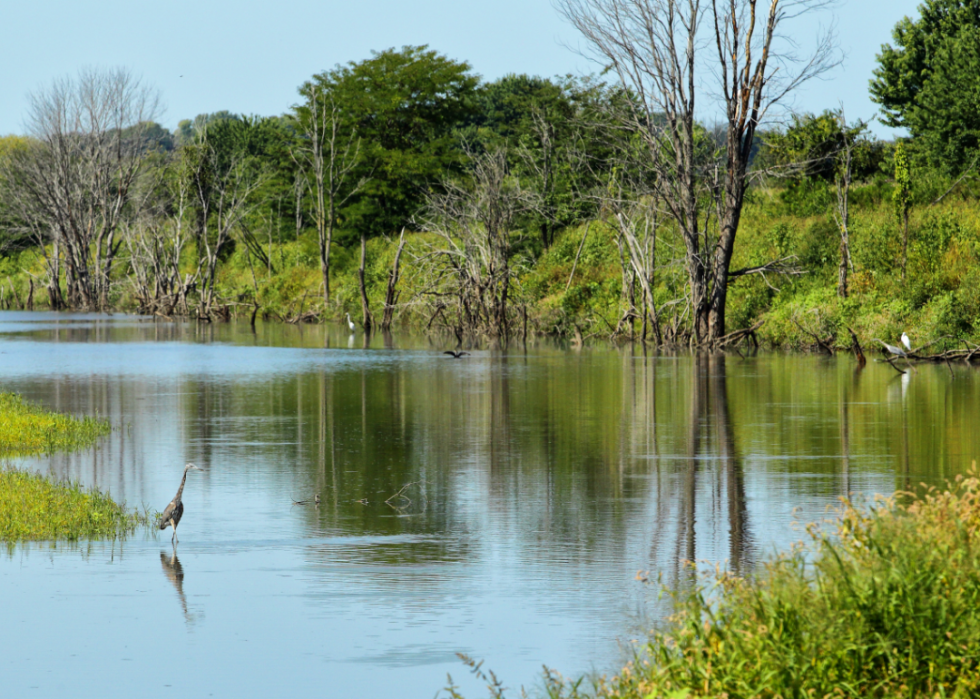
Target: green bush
(885, 604)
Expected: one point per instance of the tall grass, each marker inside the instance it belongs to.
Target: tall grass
(33, 507)
(27, 429)
(885, 603)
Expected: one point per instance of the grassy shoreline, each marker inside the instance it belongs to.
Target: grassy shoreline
(884, 602)
(937, 301)
(32, 507)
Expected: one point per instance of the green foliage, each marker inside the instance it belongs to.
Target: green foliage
(886, 605)
(928, 81)
(27, 429)
(545, 127)
(13, 235)
(191, 130)
(812, 144)
(902, 195)
(404, 106)
(806, 197)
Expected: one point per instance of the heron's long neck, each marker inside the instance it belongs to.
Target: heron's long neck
(181, 488)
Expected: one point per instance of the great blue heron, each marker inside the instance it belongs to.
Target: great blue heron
(175, 510)
(907, 342)
(897, 351)
(456, 354)
(350, 323)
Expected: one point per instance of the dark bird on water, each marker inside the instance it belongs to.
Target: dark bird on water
(175, 510)
(456, 355)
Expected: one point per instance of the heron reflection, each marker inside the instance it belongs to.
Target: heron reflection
(175, 574)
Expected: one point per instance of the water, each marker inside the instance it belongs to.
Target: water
(498, 505)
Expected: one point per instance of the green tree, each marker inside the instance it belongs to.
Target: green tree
(929, 81)
(14, 231)
(549, 130)
(406, 106)
(903, 197)
(809, 148)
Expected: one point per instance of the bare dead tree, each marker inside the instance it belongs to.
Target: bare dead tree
(842, 182)
(74, 185)
(474, 223)
(637, 221)
(330, 153)
(156, 241)
(392, 293)
(654, 47)
(222, 190)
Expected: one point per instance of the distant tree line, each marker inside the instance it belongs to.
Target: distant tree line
(410, 140)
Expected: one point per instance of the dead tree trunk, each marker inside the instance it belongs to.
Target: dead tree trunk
(365, 307)
(391, 295)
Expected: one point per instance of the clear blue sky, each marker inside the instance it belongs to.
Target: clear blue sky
(249, 56)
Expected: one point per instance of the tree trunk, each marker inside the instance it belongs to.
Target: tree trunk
(365, 308)
(325, 261)
(391, 295)
(721, 263)
(905, 243)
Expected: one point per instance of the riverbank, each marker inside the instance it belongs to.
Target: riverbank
(575, 288)
(883, 605)
(34, 508)
(883, 602)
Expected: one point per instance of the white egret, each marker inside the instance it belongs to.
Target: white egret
(350, 323)
(907, 342)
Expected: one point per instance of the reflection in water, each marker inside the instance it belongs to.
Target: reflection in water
(464, 504)
(713, 478)
(175, 574)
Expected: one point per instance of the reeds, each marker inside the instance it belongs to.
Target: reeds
(887, 604)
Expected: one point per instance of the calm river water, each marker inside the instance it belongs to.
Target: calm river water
(531, 485)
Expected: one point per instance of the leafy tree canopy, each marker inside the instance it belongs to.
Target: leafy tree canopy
(929, 81)
(812, 143)
(405, 106)
(189, 130)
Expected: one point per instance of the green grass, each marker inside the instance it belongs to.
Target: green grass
(885, 603)
(938, 301)
(27, 429)
(34, 508)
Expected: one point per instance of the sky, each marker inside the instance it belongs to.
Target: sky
(250, 57)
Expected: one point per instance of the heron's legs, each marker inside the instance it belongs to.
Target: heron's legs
(173, 537)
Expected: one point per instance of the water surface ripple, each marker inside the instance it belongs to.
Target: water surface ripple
(531, 485)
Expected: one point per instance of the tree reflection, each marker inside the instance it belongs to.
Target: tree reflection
(711, 480)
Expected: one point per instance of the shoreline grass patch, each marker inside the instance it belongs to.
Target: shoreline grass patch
(884, 603)
(27, 429)
(34, 508)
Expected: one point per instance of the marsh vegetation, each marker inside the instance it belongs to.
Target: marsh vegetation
(32, 506)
